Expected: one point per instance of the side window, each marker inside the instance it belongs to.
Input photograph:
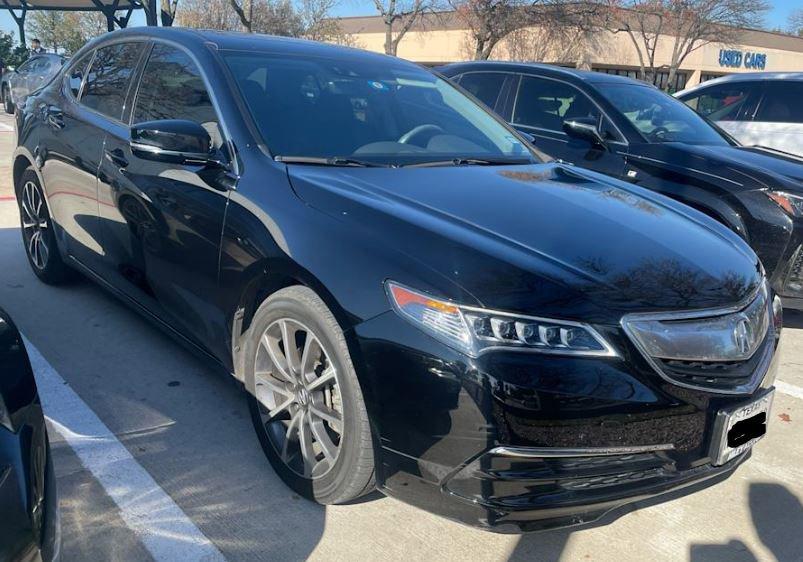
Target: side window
(108, 79)
(782, 103)
(172, 88)
(485, 86)
(76, 74)
(723, 102)
(544, 104)
(26, 67)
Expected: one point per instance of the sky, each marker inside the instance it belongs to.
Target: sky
(777, 16)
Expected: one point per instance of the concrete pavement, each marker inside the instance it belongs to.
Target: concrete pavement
(189, 429)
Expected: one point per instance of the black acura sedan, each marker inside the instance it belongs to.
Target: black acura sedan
(30, 528)
(412, 299)
(632, 131)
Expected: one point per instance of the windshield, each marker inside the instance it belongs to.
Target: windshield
(658, 116)
(367, 110)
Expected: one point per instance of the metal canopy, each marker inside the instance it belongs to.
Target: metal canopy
(19, 8)
(69, 5)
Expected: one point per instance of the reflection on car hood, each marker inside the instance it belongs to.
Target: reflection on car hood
(541, 237)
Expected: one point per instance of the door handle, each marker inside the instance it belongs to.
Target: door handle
(116, 157)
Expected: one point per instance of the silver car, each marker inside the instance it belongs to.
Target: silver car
(757, 108)
(29, 76)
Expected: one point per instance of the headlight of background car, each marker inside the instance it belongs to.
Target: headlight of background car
(475, 330)
(792, 204)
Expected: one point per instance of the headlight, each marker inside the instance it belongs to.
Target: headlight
(476, 330)
(792, 204)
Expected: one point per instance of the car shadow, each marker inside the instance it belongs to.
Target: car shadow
(777, 517)
(181, 419)
(792, 318)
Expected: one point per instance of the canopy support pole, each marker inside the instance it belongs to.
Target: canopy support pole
(19, 19)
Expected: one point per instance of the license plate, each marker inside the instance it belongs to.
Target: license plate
(737, 429)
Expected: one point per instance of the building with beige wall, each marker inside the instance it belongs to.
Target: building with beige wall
(442, 38)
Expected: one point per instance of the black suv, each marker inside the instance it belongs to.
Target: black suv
(410, 296)
(630, 130)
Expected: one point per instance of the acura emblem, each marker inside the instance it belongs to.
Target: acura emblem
(742, 335)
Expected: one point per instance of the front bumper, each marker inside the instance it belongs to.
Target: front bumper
(592, 435)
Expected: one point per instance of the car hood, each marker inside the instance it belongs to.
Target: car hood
(543, 238)
(735, 168)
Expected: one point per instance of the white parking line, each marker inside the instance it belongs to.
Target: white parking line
(6, 128)
(162, 527)
(789, 389)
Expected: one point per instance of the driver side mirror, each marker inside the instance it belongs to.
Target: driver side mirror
(584, 128)
(173, 140)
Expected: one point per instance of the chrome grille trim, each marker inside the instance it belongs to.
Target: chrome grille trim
(765, 347)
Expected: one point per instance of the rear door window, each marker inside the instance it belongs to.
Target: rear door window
(109, 78)
(782, 102)
(485, 86)
(724, 102)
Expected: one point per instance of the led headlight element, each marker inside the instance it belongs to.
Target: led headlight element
(476, 330)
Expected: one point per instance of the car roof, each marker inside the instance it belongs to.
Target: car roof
(588, 76)
(240, 41)
(744, 77)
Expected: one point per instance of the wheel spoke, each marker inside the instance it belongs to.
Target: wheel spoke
(290, 349)
(308, 355)
(324, 379)
(281, 408)
(277, 358)
(265, 379)
(305, 442)
(328, 415)
(44, 252)
(328, 447)
(32, 245)
(291, 429)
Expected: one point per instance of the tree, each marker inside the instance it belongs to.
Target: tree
(489, 21)
(168, 12)
(11, 54)
(686, 24)
(65, 32)
(405, 13)
(795, 24)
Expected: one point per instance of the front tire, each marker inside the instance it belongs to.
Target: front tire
(37, 232)
(305, 399)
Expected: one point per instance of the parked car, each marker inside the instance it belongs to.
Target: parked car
(35, 72)
(28, 498)
(412, 299)
(632, 131)
(757, 108)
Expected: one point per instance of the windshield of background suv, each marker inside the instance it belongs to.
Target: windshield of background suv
(660, 117)
(368, 111)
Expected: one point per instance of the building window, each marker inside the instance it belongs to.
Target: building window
(661, 77)
(706, 76)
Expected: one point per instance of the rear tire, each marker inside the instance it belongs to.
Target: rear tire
(37, 232)
(307, 406)
(8, 105)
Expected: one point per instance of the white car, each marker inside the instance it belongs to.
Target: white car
(757, 108)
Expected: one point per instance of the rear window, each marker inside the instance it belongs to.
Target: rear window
(485, 86)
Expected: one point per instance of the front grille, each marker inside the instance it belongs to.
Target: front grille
(718, 375)
(726, 351)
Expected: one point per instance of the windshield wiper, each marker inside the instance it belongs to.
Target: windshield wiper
(468, 162)
(330, 161)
